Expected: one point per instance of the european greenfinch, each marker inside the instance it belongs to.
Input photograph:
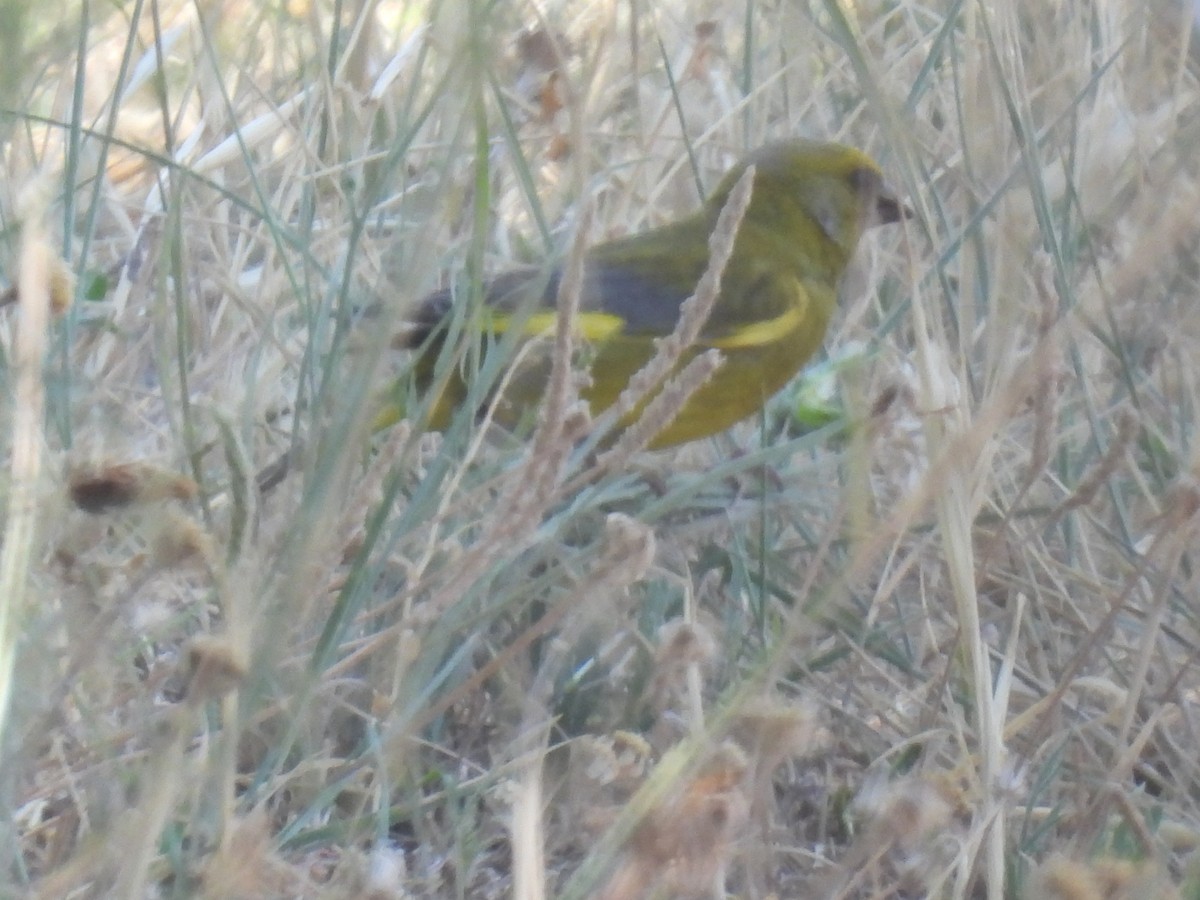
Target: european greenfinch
(810, 204)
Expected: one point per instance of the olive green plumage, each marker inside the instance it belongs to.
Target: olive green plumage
(810, 204)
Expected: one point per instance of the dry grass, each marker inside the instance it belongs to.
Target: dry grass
(945, 646)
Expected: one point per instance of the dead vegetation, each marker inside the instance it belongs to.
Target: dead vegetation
(943, 646)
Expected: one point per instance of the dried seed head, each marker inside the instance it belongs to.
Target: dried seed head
(213, 668)
(773, 730)
(182, 540)
(690, 837)
(681, 644)
(99, 489)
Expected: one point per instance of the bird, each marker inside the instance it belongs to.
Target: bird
(810, 204)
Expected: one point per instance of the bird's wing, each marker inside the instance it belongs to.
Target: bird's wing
(633, 286)
(505, 295)
(645, 281)
(619, 294)
(642, 280)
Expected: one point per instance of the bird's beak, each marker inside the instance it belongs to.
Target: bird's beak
(889, 208)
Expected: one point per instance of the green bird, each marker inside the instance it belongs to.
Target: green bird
(811, 202)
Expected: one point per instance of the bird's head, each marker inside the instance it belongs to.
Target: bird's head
(812, 187)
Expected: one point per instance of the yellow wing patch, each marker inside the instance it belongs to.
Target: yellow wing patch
(592, 326)
(762, 334)
(598, 327)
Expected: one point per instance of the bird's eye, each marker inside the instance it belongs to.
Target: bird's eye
(864, 180)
